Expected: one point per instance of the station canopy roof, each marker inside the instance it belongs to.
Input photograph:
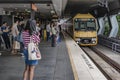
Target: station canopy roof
(63, 7)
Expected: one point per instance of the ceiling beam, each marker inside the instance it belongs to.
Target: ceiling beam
(25, 1)
(59, 6)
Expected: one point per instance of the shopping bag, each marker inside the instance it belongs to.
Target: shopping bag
(33, 51)
(17, 45)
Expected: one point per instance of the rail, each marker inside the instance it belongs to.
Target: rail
(110, 68)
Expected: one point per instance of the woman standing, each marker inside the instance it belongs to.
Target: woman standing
(15, 32)
(5, 31)
(28, 32)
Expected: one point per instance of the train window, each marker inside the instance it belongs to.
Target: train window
(91, 25)
(76, 24)
(82, 25)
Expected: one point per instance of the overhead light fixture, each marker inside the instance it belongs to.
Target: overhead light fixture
(52, 11)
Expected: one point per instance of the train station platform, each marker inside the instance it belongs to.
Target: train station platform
(54, 65)
(66, 61)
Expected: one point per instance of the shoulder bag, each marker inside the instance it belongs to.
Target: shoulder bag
(33, 51)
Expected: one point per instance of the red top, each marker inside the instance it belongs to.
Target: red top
(26, 38)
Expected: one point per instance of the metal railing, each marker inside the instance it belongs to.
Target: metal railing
(112, 43)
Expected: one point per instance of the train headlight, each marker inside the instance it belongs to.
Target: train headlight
(77, 42)
(77, 39)
(94, 39)
(93, 42)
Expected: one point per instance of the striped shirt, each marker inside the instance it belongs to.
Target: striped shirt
(26, 38)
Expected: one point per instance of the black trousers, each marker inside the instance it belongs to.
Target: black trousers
(48, 36)
(53, 42)
(21, 47)
(6, 40)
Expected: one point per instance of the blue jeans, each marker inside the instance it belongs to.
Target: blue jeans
(29, 62)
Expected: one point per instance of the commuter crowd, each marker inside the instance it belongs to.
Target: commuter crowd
(16, 39)
(8, 35)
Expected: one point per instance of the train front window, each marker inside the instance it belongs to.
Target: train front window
(76, 24)
(91, 25)
(79, 25)
(84, 24)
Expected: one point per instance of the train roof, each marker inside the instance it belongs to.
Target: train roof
(83, 16)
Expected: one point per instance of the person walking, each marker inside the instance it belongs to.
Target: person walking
(29, 32)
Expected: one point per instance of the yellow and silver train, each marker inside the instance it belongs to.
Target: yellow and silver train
(83, 29)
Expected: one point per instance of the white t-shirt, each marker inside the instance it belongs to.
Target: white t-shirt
(37, 28)
(15, 31)
(48, 29)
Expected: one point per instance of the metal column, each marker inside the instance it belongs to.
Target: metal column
(101, 24)
(115, 26)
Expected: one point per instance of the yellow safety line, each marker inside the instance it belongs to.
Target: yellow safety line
(72, 63)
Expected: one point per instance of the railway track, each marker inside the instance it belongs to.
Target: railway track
(110, 68)
(112, 43)
(107, 59)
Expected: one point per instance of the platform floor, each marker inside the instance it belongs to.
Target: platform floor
(55, 64)
(83, 67)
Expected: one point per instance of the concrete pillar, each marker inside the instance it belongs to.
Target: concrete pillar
(115, 26)
(32, 13)
(101, 26)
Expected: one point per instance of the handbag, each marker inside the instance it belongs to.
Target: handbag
(33, 51)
